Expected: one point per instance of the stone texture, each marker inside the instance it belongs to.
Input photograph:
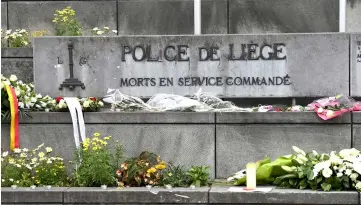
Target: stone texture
(219, 195)
(283, 16)
(171, 142)
(16, 52)
(353, 21)
(214, 17)
(4, 15)
(21, 67)
(356, 132)
(38, 15)
(157, 17)
(121, 118)
(136, 195)
(277, 117)
(236, 145)
(355, 64)
(319, 55)
(27, 195)
(356, 117)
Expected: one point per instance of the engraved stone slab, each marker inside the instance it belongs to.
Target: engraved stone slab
(282, 65)
(356, 65)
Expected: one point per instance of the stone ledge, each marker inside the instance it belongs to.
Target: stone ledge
(121, 118)
(187, 118)
(277, 117)
(16, 52)
(283, 196)
(27, 195)
(356, 117)
(136, 195)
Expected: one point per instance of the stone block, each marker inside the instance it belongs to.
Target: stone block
(27, 195)
(121, 118)
(277, 117)
(317, 55)
(353, 21)
(21, 67)
(355, 60)
(157, 17)
(221, 195)
(172, 142)
(4, 15)
(356, 118)
(38, 15)
(356, 132)
(136, 195)
(214, 17)
(283, 16)
(236, 145)
(16, 52)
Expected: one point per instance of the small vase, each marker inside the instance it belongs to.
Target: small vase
(103, 186)
(33, 187)
(168, 186)
(48, 187)
(192, 186)
(47, 110)
(14, 186)
(149, 186)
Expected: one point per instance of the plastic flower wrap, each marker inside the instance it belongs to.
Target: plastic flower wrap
(331, 107)
(123, 102)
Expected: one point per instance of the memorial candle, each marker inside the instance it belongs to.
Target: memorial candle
(251, 176)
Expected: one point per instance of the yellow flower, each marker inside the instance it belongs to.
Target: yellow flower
(160, 166)
(95, 148)
(151, 170)
(97, 134)
(41, 154)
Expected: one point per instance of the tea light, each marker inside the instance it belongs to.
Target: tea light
(251, 176)
(48, 187)
(104, 186)
(33, 186)
(149, 186)
(14, 186)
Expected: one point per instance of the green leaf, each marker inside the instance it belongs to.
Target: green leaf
(303, 184)
(326, 186)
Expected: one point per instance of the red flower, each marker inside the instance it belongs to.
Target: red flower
(58, 99)
(278, 109)
(119, 172)
(93, 98)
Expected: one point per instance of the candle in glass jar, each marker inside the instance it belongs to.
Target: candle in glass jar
(251, 176)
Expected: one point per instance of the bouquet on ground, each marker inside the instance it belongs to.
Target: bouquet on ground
(334, 171)
(331, 107)
(91, 104)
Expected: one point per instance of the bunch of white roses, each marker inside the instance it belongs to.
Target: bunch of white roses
(98, 32)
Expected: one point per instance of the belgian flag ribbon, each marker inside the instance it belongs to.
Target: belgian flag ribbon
(14, 111)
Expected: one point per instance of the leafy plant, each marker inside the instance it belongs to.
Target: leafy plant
(94, 163)
(66, 23)
(140, 171)
(39, 33)
(16, 39)
(35, 167)
(199, 176)
(175, 176)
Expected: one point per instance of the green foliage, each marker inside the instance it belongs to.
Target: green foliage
(66, 23)
(199, 176)
(175, 176)
(94, 163)
(140, 171)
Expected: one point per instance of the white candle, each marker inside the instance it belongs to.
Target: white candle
(251, 176)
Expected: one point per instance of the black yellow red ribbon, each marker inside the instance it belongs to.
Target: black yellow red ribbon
(14, 111)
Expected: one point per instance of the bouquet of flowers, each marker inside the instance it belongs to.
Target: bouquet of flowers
(91, 104)
(334, 171)
(331, 107)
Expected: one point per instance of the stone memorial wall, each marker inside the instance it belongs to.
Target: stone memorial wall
(355, 65)
(227, 66)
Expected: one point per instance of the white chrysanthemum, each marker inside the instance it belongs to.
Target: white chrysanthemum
(17, 91)
(8, 31)
(17, 150)
(353, 176)
(345, 153)
(18, 165)
(86, 104)
(320, 110)
(298, 150)
(327, 173)
(95, 29)
(339, 174)
(13, 78)
(11, 179)
(106, 27)
(48, 149)
(25, 150)
(23, 155)
(114, 31)
(357, 167)
(100, 32)
(4, 154)
(348, 172)
(49, 161)
(100, 103)
(33, 99)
